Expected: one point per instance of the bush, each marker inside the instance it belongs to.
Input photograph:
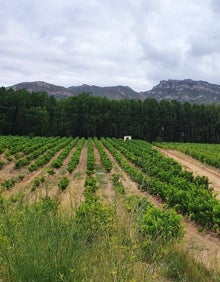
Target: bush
(63, 184)
(56, 163)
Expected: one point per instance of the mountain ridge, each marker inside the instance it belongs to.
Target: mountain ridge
(186, 90)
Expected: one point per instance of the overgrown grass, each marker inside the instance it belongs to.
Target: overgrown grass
(39, 242)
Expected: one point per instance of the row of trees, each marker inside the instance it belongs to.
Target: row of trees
(24, 113)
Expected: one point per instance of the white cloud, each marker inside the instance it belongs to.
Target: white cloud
(108, 42)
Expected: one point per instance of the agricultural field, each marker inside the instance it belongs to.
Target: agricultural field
(205, 153)
(76, 209)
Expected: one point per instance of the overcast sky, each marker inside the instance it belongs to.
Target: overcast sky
(109, 42)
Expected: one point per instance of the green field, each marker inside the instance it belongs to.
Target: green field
(68, 211)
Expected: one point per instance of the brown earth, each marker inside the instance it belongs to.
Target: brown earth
(106, 189)
(204, 246)
(73, 195)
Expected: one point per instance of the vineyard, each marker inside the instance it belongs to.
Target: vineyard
(206, 153)
(99, 181)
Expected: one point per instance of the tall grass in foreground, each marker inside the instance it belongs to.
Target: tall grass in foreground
(39, 242)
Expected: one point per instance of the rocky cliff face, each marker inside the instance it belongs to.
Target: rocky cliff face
(186, 90)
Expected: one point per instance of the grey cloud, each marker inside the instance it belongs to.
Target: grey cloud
(215, 5)
(108, 42)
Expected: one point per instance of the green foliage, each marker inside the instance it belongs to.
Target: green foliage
(97, 240)
(104, 158)
(20, 177)
(216, 215)
(50, 171)
(38, 114)
(90, 157)
(117, 184)
(37, 182)
(157, 225)
(57, 163)
(93, 217)
(39, 242)
(91, 186)
(48, 254)
(1, 164)
(41, 161)
(164, 226)
(165, 178)
(37, 150)
(22, 162)
(206, 153)
(64, 182)
(76, 155)
(9, 183)
(42, 179)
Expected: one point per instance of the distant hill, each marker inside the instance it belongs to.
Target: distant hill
(51, 89)
(111, 92)
(186, 90)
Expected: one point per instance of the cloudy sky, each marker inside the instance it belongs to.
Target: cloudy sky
(109, 42)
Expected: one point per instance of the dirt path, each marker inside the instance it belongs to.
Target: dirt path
(106, 191)
(196, 167)
(203, 246)
(73, 195)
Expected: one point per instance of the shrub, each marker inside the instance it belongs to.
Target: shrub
(64, 182)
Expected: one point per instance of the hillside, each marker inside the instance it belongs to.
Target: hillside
(36, 86)
(186, 90)
(111, 92)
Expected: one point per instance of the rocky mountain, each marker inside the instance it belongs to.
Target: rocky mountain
(112, 92)
(180, 90)
(186, 90)
(51, 89)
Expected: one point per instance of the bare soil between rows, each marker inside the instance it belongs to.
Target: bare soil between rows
(73, 195)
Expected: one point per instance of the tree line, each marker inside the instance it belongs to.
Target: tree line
(24, 113)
